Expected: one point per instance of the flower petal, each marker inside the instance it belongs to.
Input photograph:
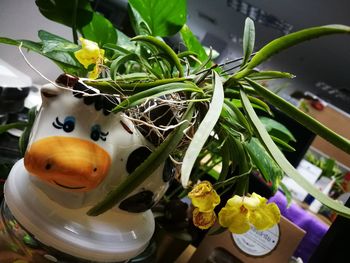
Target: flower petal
(90, 54)
(203, 220)
(204, 197)
(265, 217)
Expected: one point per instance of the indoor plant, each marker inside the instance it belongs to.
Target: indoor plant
(215, 109)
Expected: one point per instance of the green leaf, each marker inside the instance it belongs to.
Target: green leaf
(263, 161)
(155, 92)
(24, 139)
(51, 42)
(241, 118)
(215, 230)
(304, 119)
(204, 130)
(121, 60)
(141, 173)
(277, 129)
(287, 193)
(164, 18)
(15, 125)
(262, 75)
(288, 41)
(282, 145)
(192, 43)
(62, 11)
(248, 40)
(100, 30)
(281, 160)
(64, 59)
(160, 45)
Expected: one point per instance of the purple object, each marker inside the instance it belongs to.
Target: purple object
(315, 229)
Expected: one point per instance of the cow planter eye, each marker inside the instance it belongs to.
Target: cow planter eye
(78, 152)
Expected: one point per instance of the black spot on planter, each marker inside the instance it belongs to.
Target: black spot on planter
(88, 100)
(126, 127)
(138, 203)
(98, 102)
(109, 103)
(67, 80)
(168, 170)
(136, 158)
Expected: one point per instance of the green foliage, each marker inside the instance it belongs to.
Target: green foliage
(64, 11)
(163, 18)
(100, 30)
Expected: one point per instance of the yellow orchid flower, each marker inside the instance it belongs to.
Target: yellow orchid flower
(203, 220)
(204, 197)
(265, 216)
(235, 215)
(239, 212)
(90, 54)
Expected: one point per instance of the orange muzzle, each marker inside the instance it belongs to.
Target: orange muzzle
(70, 163)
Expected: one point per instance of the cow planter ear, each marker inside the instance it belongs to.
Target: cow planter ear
(78, 152)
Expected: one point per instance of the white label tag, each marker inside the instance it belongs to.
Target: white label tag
(257, 243)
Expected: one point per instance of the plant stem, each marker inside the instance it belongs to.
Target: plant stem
(74, 22)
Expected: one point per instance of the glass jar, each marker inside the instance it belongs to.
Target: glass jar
(18, 246)
(62, 234)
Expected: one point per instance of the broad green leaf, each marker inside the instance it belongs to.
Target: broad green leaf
(288, 41)
(164, 18)
(263, 161)
(100, 30)
(277, 129)
(51, 42)
(304, 119)
(156, 158)
(139, 25)
(155, 92)
(281, 160)
(30, 45)
(125, 42)
(65, 60)
(192, 43)
(203, 131)
(248, 40)
(62, 11)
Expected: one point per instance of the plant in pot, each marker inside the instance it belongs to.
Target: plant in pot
(130, 115)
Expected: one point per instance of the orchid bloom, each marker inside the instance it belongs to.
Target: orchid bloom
(204, 197)
(203, 220)
(90, 54)
(239, 212)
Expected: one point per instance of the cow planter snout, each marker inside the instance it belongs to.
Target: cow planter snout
(77, 153)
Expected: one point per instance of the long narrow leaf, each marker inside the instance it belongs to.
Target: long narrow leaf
(287, 41)
(248, 40)
(281, 160)
(141, 173)
(165, 48)
(304, 119)
(204, 130)
(262, 75)
(158, 91)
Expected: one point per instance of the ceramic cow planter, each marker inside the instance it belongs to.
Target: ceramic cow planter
(78, 152)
